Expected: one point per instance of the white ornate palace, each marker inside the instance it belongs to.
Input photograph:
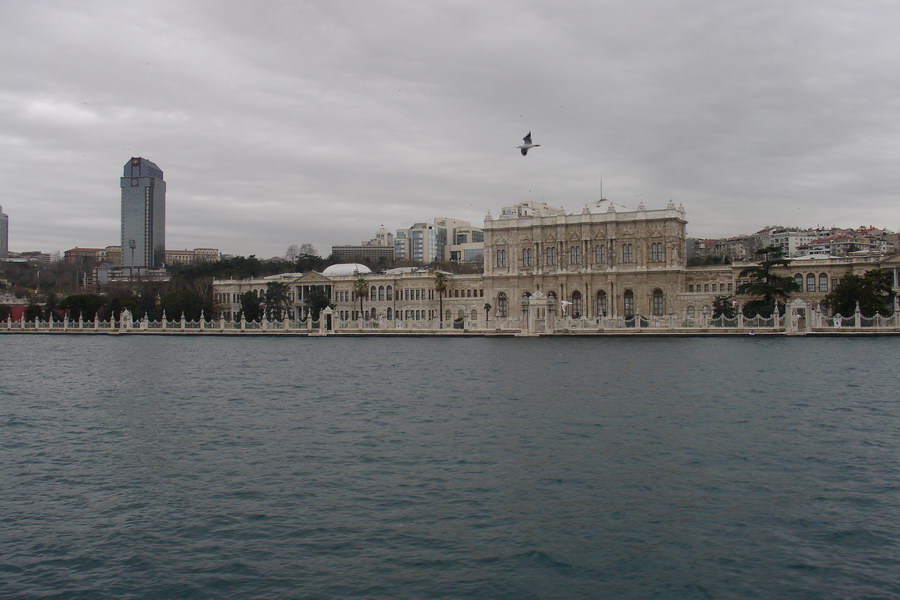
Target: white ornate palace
(603, 264)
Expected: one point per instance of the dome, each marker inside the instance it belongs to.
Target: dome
(345, 269)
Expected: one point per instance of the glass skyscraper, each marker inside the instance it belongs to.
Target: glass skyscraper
(4, 234)
(143, 214)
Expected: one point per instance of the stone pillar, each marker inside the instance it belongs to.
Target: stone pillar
(857, 316)
(202, 320)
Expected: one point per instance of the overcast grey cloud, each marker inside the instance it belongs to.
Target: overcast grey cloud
(288, 122)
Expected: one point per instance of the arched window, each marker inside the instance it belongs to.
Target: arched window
(798, 279)
(823, 282)
(627, 253)
(551, 256)
(657, 252)
(690, 312)
(390, 292)
(602, 304)
(810, 282)
(474, 315)
(448, 315)
(526, 257)
(629, 304)
(460, 314)
(390, 314)
(575, 255)
(658, 304)
(374, 313)
(576, 304)
(600, 254)
(502, 305)
(381, 292)
(501, 258)
(373, 293)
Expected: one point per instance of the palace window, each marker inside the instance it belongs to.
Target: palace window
(576, 304)
(627, 253)
(659, 303)
(551, 257)
(502, 305)
(823, 282)
(657, 252)
(810, 282)
(575, 255)
(526, 257)
(602, 304)
(629, 304)
(600, 254)
(798, 279)
(501, 258)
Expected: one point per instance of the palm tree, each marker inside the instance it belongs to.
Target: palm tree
(361, 289)
(487, 312)
(440, 286)
(766, 286)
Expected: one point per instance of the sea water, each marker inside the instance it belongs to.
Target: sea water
(228, 467)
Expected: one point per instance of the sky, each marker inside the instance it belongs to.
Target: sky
(280, 123)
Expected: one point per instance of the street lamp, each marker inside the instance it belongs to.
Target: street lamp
(131, 244)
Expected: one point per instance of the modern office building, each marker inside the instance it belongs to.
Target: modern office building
(143, 214)
(442, 240)
(4, 234)
(379, 249)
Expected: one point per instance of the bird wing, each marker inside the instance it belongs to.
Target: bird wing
(527, 138)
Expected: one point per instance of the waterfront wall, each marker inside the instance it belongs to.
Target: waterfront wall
(794, 322)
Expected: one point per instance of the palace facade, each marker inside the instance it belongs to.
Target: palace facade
(604, 262)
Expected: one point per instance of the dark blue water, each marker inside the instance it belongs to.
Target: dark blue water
(156, 467)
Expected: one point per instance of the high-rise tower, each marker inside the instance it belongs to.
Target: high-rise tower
(4, 234)
(143, 214)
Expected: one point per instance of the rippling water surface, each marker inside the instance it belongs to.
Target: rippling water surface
(162, 467)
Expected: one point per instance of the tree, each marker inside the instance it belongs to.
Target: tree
(83, 305)
(487, 312)
(316, 301)
(292, 253)
(765, 286)
(251, 308)
(723, 307)
(872, 291)
(5, 312)
(277, 299)
(33, 311)
(361, 290)
(440, 286)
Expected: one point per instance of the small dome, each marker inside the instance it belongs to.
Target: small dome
(345, 269)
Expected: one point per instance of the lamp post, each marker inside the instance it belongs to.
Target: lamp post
(131, 244)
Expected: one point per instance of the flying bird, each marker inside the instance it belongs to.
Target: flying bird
(527, 145)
